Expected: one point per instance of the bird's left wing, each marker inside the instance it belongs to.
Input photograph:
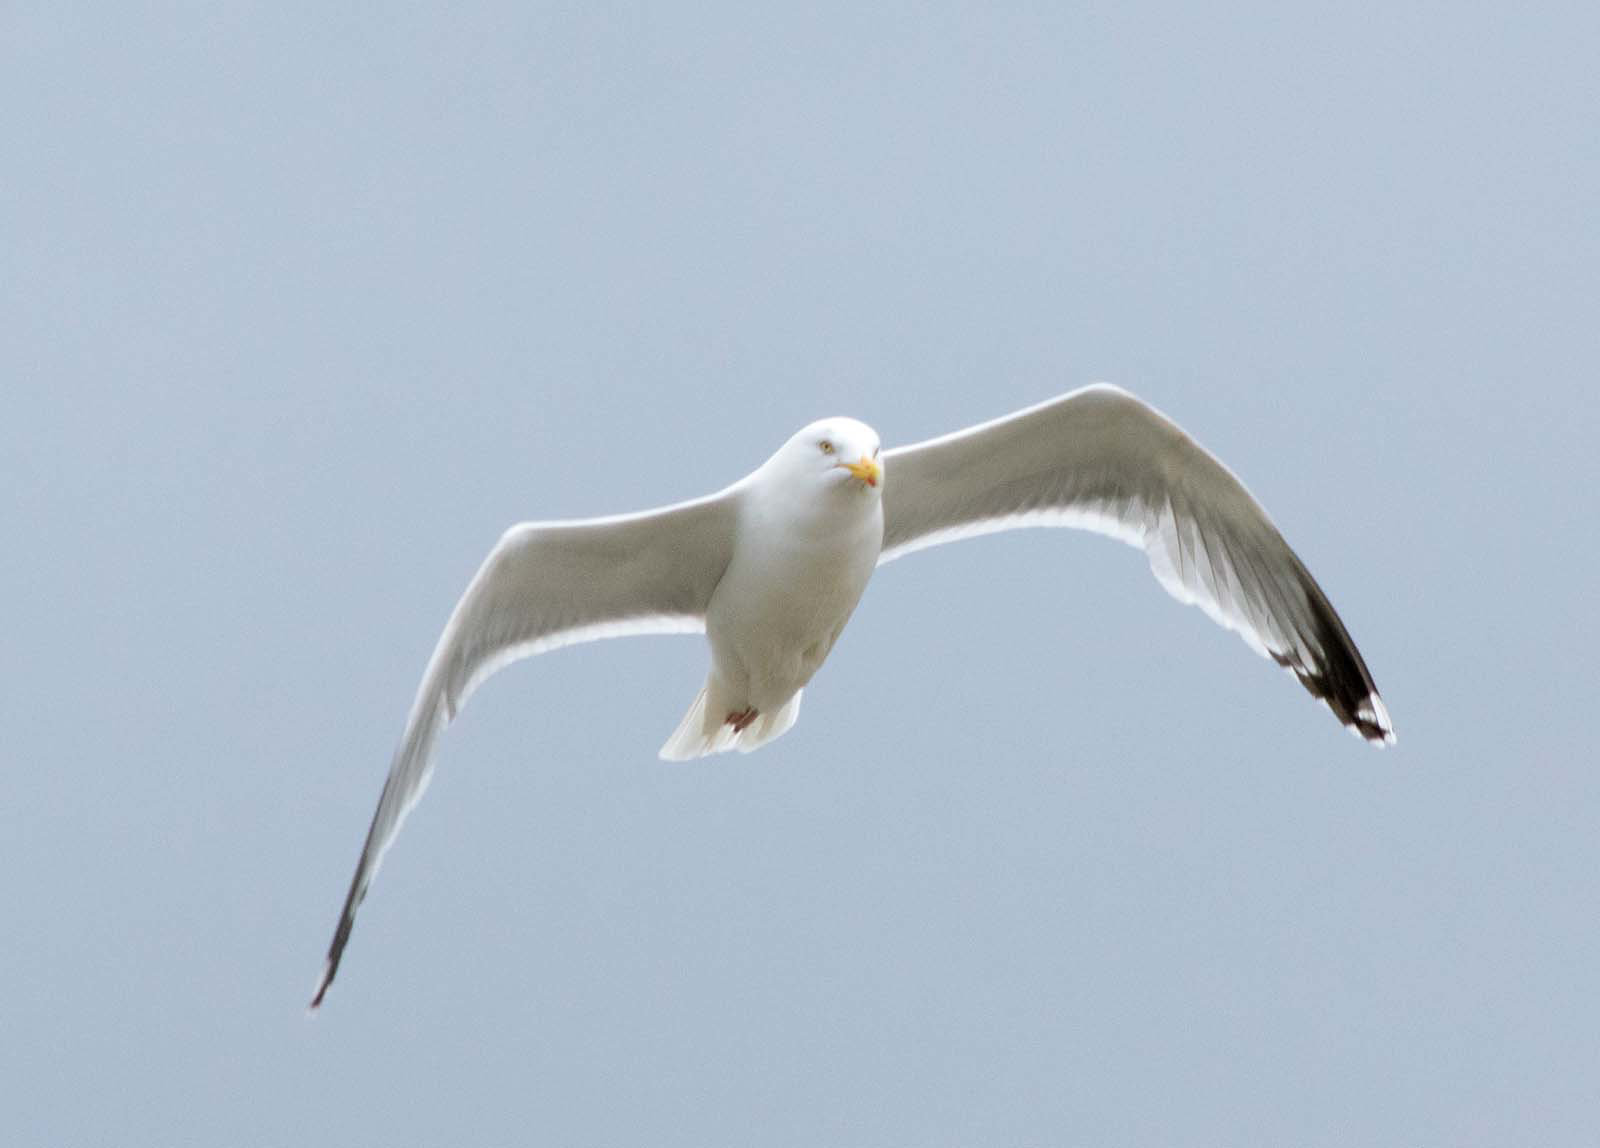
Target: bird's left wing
(547, 584)
(1100, 459)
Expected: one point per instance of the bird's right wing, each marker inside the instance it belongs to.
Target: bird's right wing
(547, 584)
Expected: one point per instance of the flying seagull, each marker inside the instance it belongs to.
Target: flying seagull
(771, 568)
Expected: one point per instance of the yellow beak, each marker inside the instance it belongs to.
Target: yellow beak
(866, 469)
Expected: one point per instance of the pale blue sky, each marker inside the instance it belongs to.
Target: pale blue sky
(301, 309)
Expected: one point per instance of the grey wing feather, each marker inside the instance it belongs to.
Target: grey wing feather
(1101, 459)
(546, 585)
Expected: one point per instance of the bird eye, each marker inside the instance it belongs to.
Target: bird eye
(825, 446)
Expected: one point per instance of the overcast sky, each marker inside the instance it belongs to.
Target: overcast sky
(301, 310)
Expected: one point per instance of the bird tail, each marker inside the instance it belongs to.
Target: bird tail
(704, 730)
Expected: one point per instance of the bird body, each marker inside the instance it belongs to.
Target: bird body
(801, 559)
(772, 567)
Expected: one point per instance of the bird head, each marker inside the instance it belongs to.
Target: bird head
(836, 452)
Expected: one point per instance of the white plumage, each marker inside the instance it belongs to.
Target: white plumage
(772, 567)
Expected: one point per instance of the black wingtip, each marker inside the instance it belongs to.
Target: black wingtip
(341, 934)
(1354, 702)
(323, 981)
(1338, 677)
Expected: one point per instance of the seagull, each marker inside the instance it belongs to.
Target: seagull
(771, 568)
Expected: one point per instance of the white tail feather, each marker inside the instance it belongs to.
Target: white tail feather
(767, 727)
(704, 730)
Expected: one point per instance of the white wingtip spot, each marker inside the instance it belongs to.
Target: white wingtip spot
(1376, 714)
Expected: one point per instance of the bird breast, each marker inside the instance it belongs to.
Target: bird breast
(785, 598)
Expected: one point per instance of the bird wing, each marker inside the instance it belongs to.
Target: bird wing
(1102, 460)
(545, 585)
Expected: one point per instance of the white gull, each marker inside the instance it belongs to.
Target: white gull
(772, 567)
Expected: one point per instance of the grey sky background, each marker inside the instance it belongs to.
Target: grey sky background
(301, 309)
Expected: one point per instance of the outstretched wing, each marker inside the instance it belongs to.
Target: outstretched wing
(547, 584)
(1102, 460)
